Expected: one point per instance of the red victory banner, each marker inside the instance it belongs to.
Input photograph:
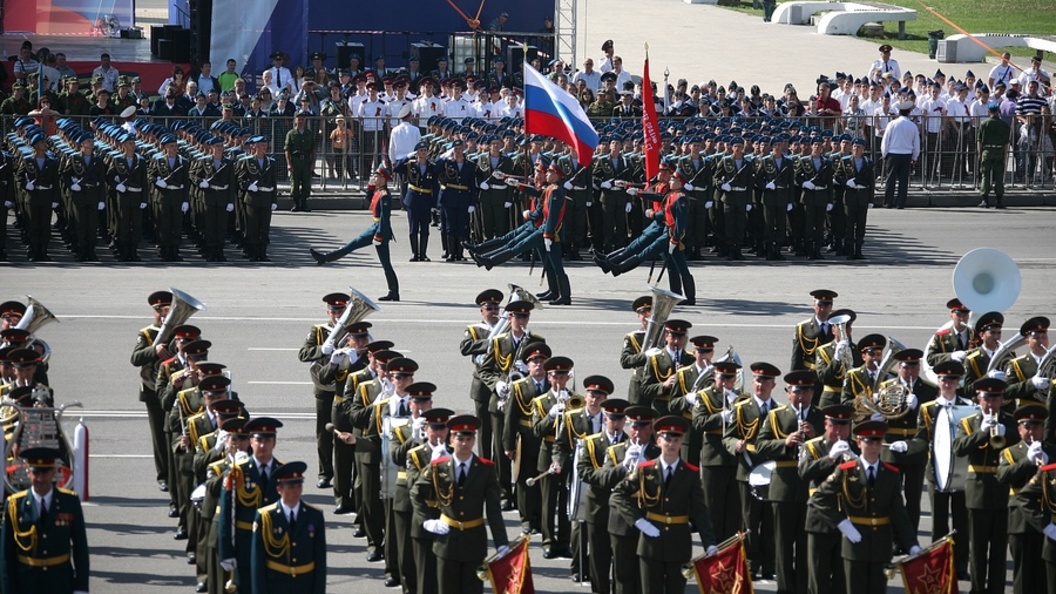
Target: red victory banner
(932, 571)
(510, 573)
(725, 572)
(650, 125)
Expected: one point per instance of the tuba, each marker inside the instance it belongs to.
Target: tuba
(183, 307)
(1006, 352)
(663, 302)
(36, 317)
(359, 306)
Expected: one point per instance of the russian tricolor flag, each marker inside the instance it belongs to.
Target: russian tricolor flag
(550, 111)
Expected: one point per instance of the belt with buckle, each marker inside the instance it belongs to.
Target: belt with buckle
(454, 187)
(291, 570)
(43, 561)
(498, 187)
(901, 432)
(785, 464)
(219, 188)
(128, 189)
(864, 521)
(525, 423)
(461, 525)
(980, 469)
(665, 519)
(263, 189)
(816, 188)
(42, 187)
(419, 190)
(243, 525)
(738, 189)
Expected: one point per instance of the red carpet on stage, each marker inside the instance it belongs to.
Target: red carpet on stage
(152, 74)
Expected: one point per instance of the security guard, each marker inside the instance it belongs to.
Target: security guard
(991, 143)
(289, 539)
(812, 333)
(657, 383)
(43, 532)
(863, 500)
(631, 356)
(518, 439)
(147, 358)
(712, 414)
(465, 488)
(590, 469)
(300, 158)
(661, 498)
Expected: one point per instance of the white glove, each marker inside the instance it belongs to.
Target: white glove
(229, 564)
(789, 207)
(693, 398)
(1040, 383)
(1034, 449)
(988, 422)
(869, 205)
(75, 187)
(230, 207)
(839, 448)
(711, 551)
(959, 356)
(747, 208)
(1001, 429)
(484, 185)
(375, 242)
(498, 174)
(437, 451)
(502, 550)
(556, 410)
(851, 184)
(417, 426)
(102, 206)
(652, 352)
(709, 204)
(996, 374)
(689, 187)
(547, 243)
(899, 447)
(589, 204)
(204, 184)
(274, 206)
(632, 192)
(568, 185)
(472, 209)
(671, 247)
(121, 188)
(338, 357)
(54, 205)
(727, 416)
(161, 183)
(1050, 531)
(914, 551)
(252, 187)
(327, 348)
(808, 185)
(646, 527)
(502, 389)
(606, 185)
(525, 213)
(876, 417)
(507, 204)
(911, 401)
(30, 186)
(8, 204)
(841, 347)
(771, 186)
(436, 527)
(725, 187)
(185, 207)
(828, 207)
(117, 179)
(848, 530)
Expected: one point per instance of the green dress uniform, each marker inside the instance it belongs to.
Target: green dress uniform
(128, 205)
(44, 551)
(945, 342)
(623, 534)
(1024, 540)
(859, 384)
(591, 470)
(188, 404)
(256, 182)
(825, 573)
(975, 365)
(734, 201)
(300, 146)
(856, 200)
(7, 196)
(44, 173)
(519, 437)
(1019, 374)
(476, 343)
(696, 172)
(146, 359)
(992, 142)
(986, 500)
(681, 404)
(556, 527)
(788, 493)
(312, 352)
(464, 506)
(1037, 500)
(346, 383)
(779, 172)
(418, 459)
(658, 367)
(671, 500)
(612, 232)
(217, 200)
(876, 511)
(631, 357)
(216, 577)
(819, 172)
(910, 464)
(88, 174)
(757, 519)
(169, 203)
(810, 334)
(365, 415)
(289, 558)
(245, 491)
(576, 425)
(718, 467)
(831, 373)
(495, 215)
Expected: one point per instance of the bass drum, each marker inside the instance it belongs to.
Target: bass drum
(950, 470)
(759, 480)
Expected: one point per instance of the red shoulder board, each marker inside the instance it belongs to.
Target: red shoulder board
(168, 361)
(441, 460)
(943, 332)
(1048, 467)
(849, 465)
(485, 461)
(891, 467)
(647, 463)
(693, 468)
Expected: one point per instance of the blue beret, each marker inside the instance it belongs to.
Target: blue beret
(859, 142)
(35, 138)
(167, 139)
(421, 145)
(736, 140)
(455, 143)
(214, 141)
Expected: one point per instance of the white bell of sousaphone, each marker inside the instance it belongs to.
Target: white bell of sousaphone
(985, 279)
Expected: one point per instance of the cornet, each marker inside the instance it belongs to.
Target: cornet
(997, 441)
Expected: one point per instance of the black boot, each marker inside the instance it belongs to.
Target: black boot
(451, 253)
(602, 263)
(858, 251)
(414, 247)
(626, 264)
(564, 290)
(423, 248)
(320, 257)
(689, 289)
(394, 287)
(848, 249)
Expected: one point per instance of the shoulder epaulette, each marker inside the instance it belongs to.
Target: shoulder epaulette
(310, 506)
(485, 461)
(850, 464)
(441, 460)
(22, 494)
(691, 467)
(269, 508)
(647, 463)
(891, 467)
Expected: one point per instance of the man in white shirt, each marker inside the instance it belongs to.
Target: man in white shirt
(108, 73)
(933, 108)
(402, 140)
(900, 148)
(885, 65)
(512, 107)
(428, 104)
(457, 108)
(1003, 72)
(371, 115)
(280, 75)
(1035, 72)
(960, 124)
(608, 62)
(588, 75)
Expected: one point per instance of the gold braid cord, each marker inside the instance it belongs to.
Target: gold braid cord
(808, 351)
(274, 548)
(654, 362)
(645, 500)
(443, 499)
(853, 502)
(244, 498)
(502, 362)
(747, 430)
(26, 540)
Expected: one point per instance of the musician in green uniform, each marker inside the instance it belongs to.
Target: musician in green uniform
(433, 447)
(147, 357)
(812, 333)
(978, 360)
(519, 442)
(1038, 503)
(234, 450)
(712, 409)
(547, 414)
(289, 539)
(657, 382)
(476, 342)
(1023, 373)
(832, 358)
(991, 144)
(631, 357)
(300, 157)
(689, 380)
(44, 545)
(860, 381)
(316, 350)
(591, 470)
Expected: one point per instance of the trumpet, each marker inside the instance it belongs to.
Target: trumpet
(997, 441)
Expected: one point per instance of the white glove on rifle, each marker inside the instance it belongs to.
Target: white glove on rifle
(1050, 531)
(185, 207)
(828, 207)
(851, 184)
(747, 208)
(472, 209)
(771, 186)
(498, 174)
(121, 188)
(507, 204)
(646, 527)
(689, 187)
(709, 204)
(161, 184)
(75, 187)
(809, 185)
(725, 187)
(274, 206)
(252, 187)
(606, 185)
(849, 531)
(230, 207)
(568, 185)
(229, 564)
(839, 448)
(102, 206)
(1040, 383)
(959, 356)
(547, 243)
(899, 447)
(29, 186)
(204, 184)
(484, 185)
(436, 526)
(789, 207)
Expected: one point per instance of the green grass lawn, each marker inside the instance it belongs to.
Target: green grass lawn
(974, 16)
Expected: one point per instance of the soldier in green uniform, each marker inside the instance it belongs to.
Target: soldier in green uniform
(712, 409)
(84, 180)
(1019, 463)
(17, 103)
(519, 442)
(775, 181)
(547, 414)
(289, 539)
(662, 498)
(829, 360)
(855, 172)
(781, 440)
(657, 382)
(631, 356)
(38, 176)
(300, 157)
(988, 336)
(147, 357)
(44, 545)
(981, 439)
(1024, 383)
(1038, 503)
(496, 197)
(214, 176)
(818, 461)
(71, 101)
(235, 450)
(591, 470)
(860, 380)
(991, 143)
(433, 447)
(249, 486)
(256, 182)
(812, 333)
(476, 342)
(128, 174)
(952, 341)
(465, 489)
(169, 174)
(733, 180)
(689, 380)
(863, 500)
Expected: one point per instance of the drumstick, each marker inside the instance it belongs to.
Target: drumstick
(330, 427)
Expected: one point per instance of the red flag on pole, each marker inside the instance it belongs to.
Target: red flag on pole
(931, 572)
(650, 125)
(512, 572)
(725, 572)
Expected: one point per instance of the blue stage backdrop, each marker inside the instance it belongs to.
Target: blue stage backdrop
(250, 30)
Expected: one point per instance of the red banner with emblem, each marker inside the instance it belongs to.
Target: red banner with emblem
(650, 125)
(510, 573)
(725, 572)
(932, 571)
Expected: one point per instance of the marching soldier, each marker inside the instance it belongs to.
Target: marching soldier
(129, 174)
(547, 416)
(982, 438)
(733, 178)
(712, 409)
(433, 447)
(689, 380)
(859, 381)
(496, 197)
(661, 498)
(44, 543)
(830, 360)
(814, 175)
(954, 339)
(631, 357)
(171, 371)
(148, 357)
(1019, 463)
(988, 337)
(1039, 506)
(83, 176)
(38, 176)
(740, 440)
(235, 450)
(817, 462)
(1024, 383)
(658, 379)
(249, 486)
(349, 363)
(812, 333)
(559, 291)
(289, 539)
(214, 175)
(518, 438)
(256, 183)
(465, 488)
(862, 498)
(476, 343)
(856, 173)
